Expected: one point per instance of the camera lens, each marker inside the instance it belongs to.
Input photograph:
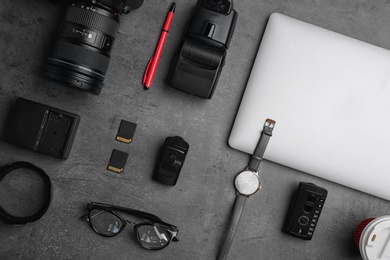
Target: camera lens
(81, 52)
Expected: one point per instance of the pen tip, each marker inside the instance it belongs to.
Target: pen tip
(173, 7)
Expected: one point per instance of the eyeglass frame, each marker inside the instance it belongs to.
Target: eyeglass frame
(152, 220)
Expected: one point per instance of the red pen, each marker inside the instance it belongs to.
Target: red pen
(153, 63)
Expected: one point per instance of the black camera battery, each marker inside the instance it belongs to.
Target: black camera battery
(305, 209)
(41, 128)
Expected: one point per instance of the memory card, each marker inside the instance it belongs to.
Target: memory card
(117, 161)
(126, 132)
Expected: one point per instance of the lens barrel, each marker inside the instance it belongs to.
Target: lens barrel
(81, 53)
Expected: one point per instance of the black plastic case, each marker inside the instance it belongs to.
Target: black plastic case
(171, 160)
(201, 57)
(305, 209)
(41, 128)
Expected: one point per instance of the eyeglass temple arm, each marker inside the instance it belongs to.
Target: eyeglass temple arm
(85, 216)
(133, 212)
(139, 213)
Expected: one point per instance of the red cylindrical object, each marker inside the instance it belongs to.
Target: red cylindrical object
(359, 229)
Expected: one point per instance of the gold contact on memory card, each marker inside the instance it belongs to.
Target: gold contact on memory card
(114, 169)
(123, 140)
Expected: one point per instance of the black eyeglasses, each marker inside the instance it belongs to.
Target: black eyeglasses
(154, 234)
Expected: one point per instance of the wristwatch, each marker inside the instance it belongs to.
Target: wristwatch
(247, 183)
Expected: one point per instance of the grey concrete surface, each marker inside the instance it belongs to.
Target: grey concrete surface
(201, 202)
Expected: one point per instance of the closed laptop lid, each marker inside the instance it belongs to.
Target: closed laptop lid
(330, 97)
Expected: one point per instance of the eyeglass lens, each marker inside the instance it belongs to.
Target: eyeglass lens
(105, 223)
(149, 236)
(153, 237)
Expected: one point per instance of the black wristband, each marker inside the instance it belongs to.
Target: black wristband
(16, 220)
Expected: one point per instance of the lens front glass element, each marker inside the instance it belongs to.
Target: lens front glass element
(152, 237)
(105, 223)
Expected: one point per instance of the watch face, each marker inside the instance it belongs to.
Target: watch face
(247, 183)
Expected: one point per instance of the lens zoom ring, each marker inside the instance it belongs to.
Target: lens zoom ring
(93, 20)
(81, 56)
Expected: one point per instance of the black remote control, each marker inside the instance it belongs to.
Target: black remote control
(305, 209)
(171, 160)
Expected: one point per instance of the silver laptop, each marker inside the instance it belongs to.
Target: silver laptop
(330, 97)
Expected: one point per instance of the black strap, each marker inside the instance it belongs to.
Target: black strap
(257, 156)
(15, 220)
(237, 211)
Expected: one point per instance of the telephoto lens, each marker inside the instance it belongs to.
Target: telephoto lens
(81, 53)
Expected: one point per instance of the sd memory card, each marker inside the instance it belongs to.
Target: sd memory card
(126, 132)
(117, 161)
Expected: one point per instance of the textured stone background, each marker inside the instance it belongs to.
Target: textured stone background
(201, 202)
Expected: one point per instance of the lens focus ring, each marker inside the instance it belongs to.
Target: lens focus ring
(92, 19)
(81, 56)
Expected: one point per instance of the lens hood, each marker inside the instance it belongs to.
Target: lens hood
(8, 218)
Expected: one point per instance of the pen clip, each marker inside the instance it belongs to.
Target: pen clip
(147, 71)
